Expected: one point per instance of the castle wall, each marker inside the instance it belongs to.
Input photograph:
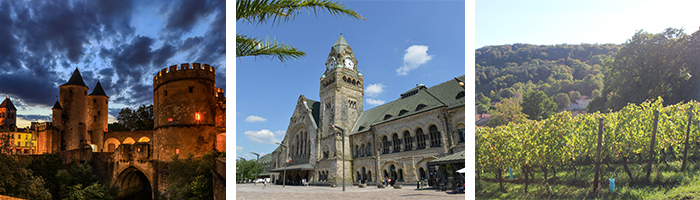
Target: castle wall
(73, 100)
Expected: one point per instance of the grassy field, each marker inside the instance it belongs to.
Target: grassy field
(666, 182)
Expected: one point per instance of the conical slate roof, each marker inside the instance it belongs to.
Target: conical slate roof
(98, 90)
(8, 104)
(340, 44)
(57, 105)
(76, 79)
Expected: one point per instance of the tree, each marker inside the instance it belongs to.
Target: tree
(130, 120)
(191, 178)
(573, 95)
(562, 100)
(508, 110)
(18, 181)
(537, 106)
(276, 11)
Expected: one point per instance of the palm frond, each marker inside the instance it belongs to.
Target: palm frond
(246, 46)
(261, 11)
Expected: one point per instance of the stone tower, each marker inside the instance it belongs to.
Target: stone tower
(184, 110)
(8, 114)
(341, 105)
(185, 107)
(97, 115)
(74, 96)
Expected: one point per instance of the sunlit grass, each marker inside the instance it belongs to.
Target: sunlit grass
(666, 182)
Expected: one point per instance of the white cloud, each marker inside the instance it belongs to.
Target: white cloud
(373, 90)
(253, 119)
(239, 148)
(280, 132)
(374, 101)
(415, 56)
(262, 136)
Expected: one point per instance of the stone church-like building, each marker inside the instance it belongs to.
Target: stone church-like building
(398, 139)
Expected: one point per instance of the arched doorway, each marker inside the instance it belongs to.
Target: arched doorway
(133, 184)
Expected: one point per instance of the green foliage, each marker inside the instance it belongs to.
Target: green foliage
(47, 167)
(650, 66)
(276, 11)
(562, 100)
(537, 106)
(247, 169)
(73, 178)
(191, 178)
(506, 111)
(94, 191)
(18, 181)
(5, 144)
(562, 141)
(562, 67)
(130, 120)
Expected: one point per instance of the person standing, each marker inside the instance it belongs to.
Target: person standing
(264, 184)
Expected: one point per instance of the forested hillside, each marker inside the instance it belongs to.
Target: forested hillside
(505, 71)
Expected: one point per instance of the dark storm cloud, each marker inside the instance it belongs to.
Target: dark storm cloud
(41, 41)
(36, 35)
(186, 14)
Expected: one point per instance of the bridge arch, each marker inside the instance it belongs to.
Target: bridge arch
(144, 139)
(129, 140)
(133, 184)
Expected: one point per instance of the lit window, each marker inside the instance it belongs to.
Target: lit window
(197, 116)
(170, 119)
(177, 151)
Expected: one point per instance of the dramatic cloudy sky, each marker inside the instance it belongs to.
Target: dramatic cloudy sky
(124, 43)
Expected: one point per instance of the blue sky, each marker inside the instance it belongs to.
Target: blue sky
(424, 38)
(548, 22)
(125, 43)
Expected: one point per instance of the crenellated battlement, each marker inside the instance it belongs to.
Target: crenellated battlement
(184, 71)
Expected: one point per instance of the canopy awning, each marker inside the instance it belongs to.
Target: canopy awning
(449, 159)
(268, 174)
(294, 167)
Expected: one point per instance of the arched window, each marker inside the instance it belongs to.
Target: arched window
(460, 132)
(369, 149)
(407, 141)
(357, 151)
(386, 143)
(420, 138)
(435, 137)
(397, 145)
(363, 150)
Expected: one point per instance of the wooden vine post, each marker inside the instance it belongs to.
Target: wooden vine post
(597, 155)
(653, 143)
(687, 137)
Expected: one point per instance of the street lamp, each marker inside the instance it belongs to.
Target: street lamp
(242, 170)
(257, 161)
(284, 176)
(342, 135)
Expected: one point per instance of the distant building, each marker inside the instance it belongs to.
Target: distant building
(580, 104)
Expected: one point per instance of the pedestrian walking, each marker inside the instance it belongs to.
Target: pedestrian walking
(264, 184)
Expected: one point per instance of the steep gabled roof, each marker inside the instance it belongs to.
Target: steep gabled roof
(57, 105)
(340, 44)
(76, 79)
(416, 100)
(8, 104)
(315, 107)
(98, 90)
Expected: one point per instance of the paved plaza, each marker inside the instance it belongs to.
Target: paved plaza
(250, 191)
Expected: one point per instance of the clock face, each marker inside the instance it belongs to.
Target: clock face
(348, 63)
(331, 63)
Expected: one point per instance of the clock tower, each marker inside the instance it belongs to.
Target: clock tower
(341, 95)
